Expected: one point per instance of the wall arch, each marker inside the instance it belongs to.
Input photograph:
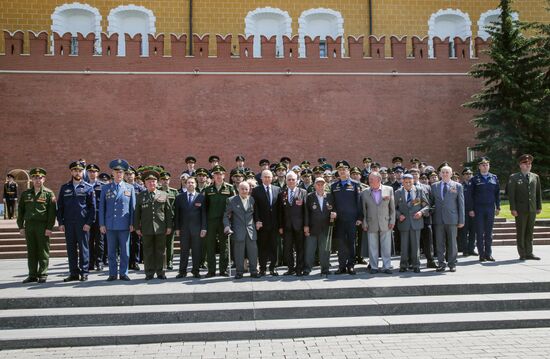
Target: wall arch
(131, 19)
(319, 22)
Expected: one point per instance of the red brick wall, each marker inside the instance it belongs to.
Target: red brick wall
(52, 119)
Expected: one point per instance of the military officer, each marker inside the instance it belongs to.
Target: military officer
(305, 164)
(201, 179)
(153, 220)
(10, 195)
(35, 221)
(116, 218)
(214, 160)
(397, 161)
(216, 196)
(130, 176)
(484, 206)
(524, 191)
(190, 161)
(361, 249)
(367, 161)
(237, 176)
(76, 210)
(96, 238)
(239, 160)
(264, 165)
(306, 182)
(286, 161)
(172, 194)
(280, 171)
(346, 194)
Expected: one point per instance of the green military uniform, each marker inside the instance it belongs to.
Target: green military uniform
(36, 215)
(172, 194)
(215, 208)
(525, 194)
(153, 216)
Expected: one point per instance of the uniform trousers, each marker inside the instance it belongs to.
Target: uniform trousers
(77, 241)
(118, 241)
(38, 249)
(154, 253)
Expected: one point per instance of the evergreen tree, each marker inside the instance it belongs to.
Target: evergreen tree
(513, 115)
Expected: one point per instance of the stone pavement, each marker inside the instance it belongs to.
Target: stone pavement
(502, 344)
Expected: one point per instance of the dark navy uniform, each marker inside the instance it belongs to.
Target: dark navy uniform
(346, 195)
(485, 198)
(136, 250)
(467, 234)
(96, 238)
(76, 207)
(10, 196)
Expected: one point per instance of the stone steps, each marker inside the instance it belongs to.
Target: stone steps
(81, 320)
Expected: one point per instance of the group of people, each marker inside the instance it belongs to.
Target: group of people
(284, 215)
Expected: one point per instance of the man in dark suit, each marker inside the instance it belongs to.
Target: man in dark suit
(239, 221)
(190, 224)
(448, 201)
(265, 215)
(317, 219)
(291, 223)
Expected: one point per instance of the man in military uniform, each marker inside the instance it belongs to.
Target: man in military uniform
(485, 205)
(280, 171)
(76, 210)
(237, 176)
(35, 221)
(305, 164)
(10, 195)
(264, 165)
(96, 238)
(239, 160)
(306, 182)
(216, 196)
(201, 175)
(153, 220)
(130, 177)
(397, 161)
(214, 160)
(346, 194)
(467, 234)
(172, 194)
(190, 161)
(367, 161)
(286, 161)
(524, 191)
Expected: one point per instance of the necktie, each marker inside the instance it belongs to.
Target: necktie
(190, 198)
(291, 193)
(408, 196)
(117, 187)
(444, 189)
(268, 195)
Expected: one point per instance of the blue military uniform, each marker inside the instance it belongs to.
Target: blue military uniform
(116, 213)
(346, 195)
(485, 199)
(76, 207)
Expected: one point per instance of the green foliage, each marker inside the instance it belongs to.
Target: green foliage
(513, 104)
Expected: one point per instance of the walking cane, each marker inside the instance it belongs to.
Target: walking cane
(229, 252)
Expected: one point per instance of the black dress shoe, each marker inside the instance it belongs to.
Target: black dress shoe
(148, 277)
(401, 270)
(162, 276)
(417, 270)
(522, 258)
(83, 277)
(71, 278)
(373, 271)
(238, 276)
(299, 273)
(124, 277)
(289, 272)
(305, 273)
(224, 274)
(30, 280)
(262, 273)
(42, 280)
(532, 257)
(482, 259)
(254, 275)
(181, 275)
(360, 260)
(452, 269)
(440, 269)
(196, 275)
(490, 259)
(210, 274)
(352, 271)
(387, 271)
(273, 273)
(325, 272)
(111, 278)
(431, 264)
(340, 271)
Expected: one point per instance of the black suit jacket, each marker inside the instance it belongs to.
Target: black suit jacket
(317, 218)
(190, 217)
(263, 212)
(291, 215)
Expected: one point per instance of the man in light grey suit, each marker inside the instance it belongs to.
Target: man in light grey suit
(239, 221)
(411, 204)
(378, 221)
(448, 216)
